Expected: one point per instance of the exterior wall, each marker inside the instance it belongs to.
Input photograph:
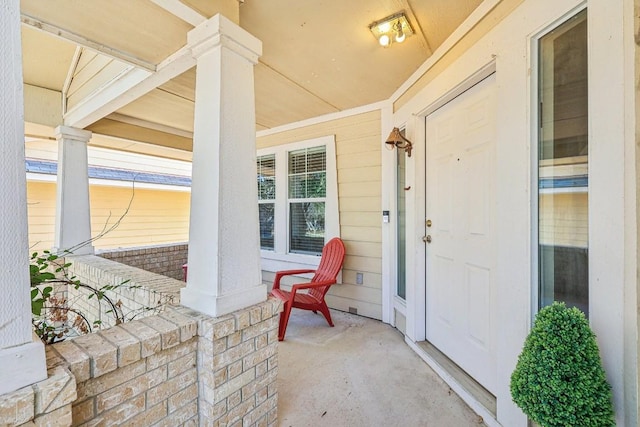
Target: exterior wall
(41, 208)
(359, 193)
(155, 216)
(166, 260)
(506, 40)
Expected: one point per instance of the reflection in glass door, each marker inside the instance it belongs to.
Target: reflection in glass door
(563, 216)
(401, 278)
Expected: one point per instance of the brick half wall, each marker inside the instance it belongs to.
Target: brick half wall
(178, 368)
(143, 294)
(166, 260)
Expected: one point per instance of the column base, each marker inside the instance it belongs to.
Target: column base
(218, 305)
(22, 365)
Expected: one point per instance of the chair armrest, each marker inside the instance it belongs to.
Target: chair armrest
(281, 274)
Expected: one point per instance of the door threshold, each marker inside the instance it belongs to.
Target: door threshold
(483, 396)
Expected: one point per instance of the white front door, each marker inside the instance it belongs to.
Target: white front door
(461, 206)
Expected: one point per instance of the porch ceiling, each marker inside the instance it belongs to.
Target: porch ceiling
(318, 57)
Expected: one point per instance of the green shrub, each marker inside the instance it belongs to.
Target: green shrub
(559, 380)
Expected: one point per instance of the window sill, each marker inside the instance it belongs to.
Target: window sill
(271, 261)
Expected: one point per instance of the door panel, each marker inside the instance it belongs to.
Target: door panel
(461, 256)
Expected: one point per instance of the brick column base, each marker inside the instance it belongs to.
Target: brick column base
(238, 367)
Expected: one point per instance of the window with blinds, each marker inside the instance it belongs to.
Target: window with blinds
(307, 182)
(266, 166)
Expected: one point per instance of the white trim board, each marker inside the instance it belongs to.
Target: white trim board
(322, 119)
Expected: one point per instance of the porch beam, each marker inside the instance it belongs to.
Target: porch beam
(228, 8)
(128, 87)
(181, 10)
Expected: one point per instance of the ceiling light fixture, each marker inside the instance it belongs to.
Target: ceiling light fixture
(396, 139)
(395, 27)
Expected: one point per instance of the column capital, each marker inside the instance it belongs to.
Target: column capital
(220, 31)
(68, 132)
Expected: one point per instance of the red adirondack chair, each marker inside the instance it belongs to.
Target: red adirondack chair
(312, 295)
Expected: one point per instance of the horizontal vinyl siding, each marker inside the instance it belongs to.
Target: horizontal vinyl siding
(564, 219)
(41, 211)
(359, 198)
(155, 217)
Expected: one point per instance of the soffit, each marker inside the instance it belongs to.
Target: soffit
(45, 59)
(438, 18)
(139, 28)
(183, 86)
(318, 57)
(328, 50)
(162, 107)
(120, 130)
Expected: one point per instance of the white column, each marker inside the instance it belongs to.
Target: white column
(73, 215)
(224, 253)
(22, 361)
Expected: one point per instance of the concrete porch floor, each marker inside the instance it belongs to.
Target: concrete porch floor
(359, 373)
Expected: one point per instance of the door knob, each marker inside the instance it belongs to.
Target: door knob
(427, 238)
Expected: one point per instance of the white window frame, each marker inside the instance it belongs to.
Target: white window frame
(280, 258)
(266, 202)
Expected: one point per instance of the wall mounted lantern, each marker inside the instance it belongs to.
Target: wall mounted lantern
(396, 139)
(392, 28)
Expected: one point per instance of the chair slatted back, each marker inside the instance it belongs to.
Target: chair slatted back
(330, 265)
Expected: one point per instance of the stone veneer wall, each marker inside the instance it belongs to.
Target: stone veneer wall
(180, 367)
(144, 290)
(162, 259)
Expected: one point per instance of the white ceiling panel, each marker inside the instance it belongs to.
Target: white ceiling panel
(163, 108)
(45, 59)
(139, 28)
(319, 57)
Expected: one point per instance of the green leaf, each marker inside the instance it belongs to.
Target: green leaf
(36, 306)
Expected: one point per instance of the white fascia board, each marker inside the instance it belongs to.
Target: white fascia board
(41, 177)
(322, 119)
(126, 88)
(138, 185)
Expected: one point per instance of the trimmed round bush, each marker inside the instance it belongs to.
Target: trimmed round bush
(559, 380)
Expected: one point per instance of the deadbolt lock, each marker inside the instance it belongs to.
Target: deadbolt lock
(428, 223)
